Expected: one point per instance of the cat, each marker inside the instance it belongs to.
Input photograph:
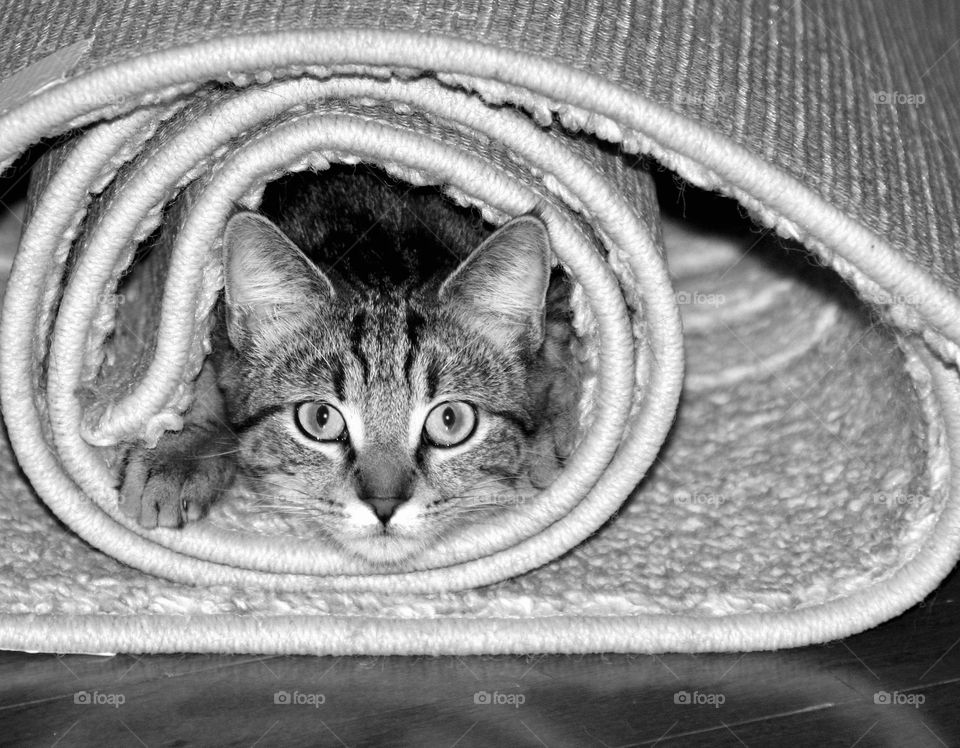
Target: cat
(380, 359)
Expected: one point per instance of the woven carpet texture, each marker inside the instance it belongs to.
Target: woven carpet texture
(769, 410)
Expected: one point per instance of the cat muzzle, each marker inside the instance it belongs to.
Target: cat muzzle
(384, 484)
(384, 508)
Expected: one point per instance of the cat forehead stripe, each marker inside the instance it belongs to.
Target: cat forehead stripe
(357, 328)
(415, 323)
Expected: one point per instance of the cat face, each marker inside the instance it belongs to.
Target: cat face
(392, 415)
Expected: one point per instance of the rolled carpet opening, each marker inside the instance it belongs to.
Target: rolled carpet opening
(801, 487)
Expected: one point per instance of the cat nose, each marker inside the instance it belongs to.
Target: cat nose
(384, 484)
(384, 508)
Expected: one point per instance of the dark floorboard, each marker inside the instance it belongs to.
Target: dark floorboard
(832, 694)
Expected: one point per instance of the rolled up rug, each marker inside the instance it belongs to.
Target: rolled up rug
(796, 485)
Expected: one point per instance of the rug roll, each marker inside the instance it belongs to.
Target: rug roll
(120, 373)
(786, 506)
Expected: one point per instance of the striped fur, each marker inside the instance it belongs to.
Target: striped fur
(389, 309)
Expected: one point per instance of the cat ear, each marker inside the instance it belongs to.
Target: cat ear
(268, 282)
(502, 285)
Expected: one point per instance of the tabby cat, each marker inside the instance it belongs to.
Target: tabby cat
(381, 360)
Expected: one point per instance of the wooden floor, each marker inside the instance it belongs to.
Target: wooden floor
(897, 685)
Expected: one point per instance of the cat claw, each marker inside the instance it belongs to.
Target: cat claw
(166, 488)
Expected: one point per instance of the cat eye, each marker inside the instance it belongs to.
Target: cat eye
(450, 424)
(321, 421)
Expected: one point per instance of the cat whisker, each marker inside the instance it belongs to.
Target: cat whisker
(481, 507)
(269, 498)
(246, 491)
(509, 483)
(288, 512)
(492, 479)
(277, 485)
(212, 454)
(477, 504)
(318, 506)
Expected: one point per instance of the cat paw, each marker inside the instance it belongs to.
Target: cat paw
(548, 456)
(544, 471)
(168, 487)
